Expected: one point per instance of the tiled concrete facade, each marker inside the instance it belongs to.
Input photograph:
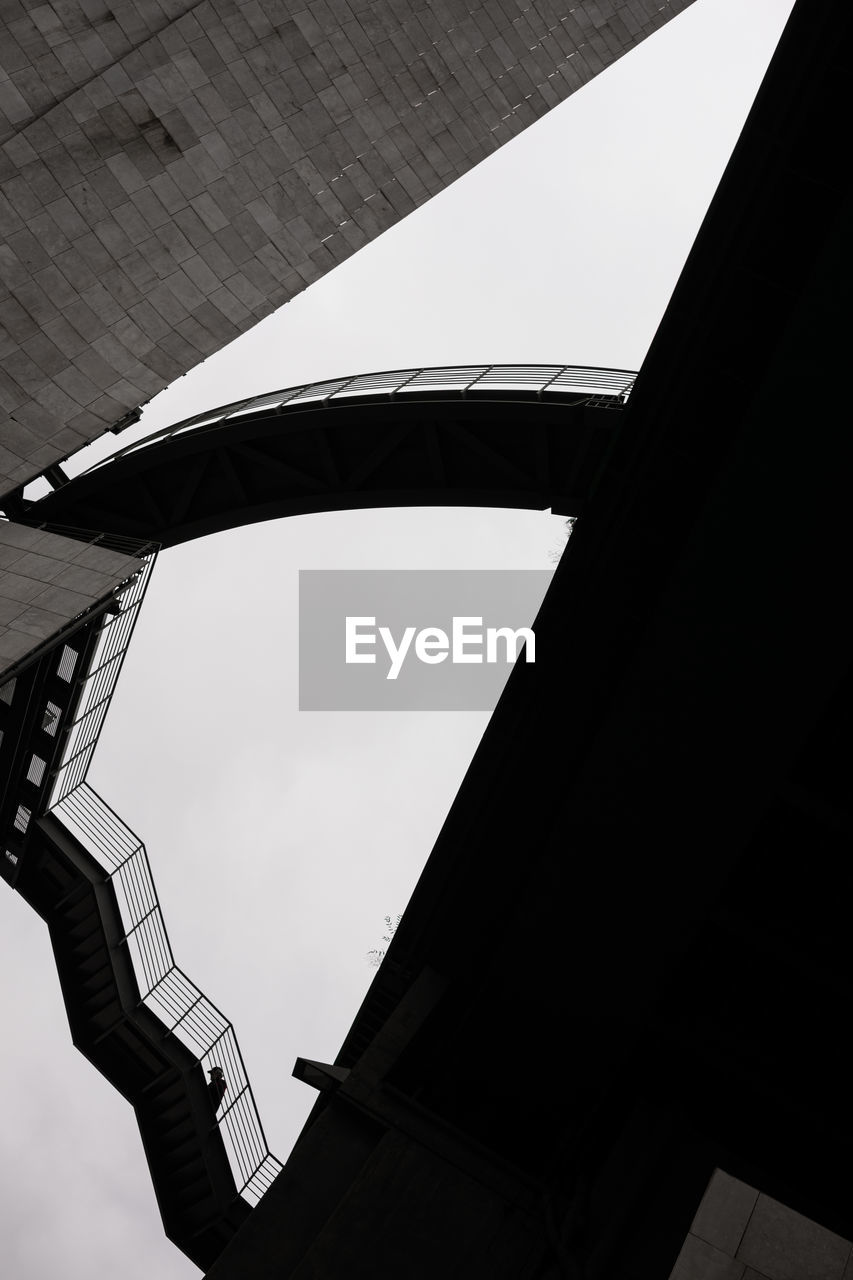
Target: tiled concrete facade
(174, 171)
(46, 581)
(740, 1234)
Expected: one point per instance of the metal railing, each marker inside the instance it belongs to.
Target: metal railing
(166, 990)
(107, 541)
(104, 667)
(555, 382)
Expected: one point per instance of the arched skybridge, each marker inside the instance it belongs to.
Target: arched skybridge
(523, 436)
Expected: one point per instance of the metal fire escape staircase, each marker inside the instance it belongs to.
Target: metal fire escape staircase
(137, 1051)
(132, 1012)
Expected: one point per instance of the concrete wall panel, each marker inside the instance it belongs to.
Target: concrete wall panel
(46, 582)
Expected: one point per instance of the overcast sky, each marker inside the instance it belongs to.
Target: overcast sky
(562, 248)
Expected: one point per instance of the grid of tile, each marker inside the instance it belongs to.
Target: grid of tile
(741, 1234)
(174, 171)
(46, 581)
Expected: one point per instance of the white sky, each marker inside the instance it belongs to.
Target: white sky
(562, 248)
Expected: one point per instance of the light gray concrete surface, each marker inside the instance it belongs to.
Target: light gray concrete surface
(46, 581)
(740, 1234)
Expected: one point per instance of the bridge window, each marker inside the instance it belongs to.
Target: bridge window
(50, 720)
(35, 773)
(65, 669)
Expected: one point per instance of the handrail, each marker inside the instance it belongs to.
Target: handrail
(102, 674)
(544, 381)
(166, 990)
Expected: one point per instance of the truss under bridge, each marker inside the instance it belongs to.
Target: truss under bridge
(521, 436)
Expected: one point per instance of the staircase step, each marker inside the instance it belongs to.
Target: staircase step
(172, 1134)
(82, 948)
(189, 1177)
(185, 1169)
(167, 1117)
(196, 1195)
(175, 1155)
(167, 1084)
(76, 910)
(97, 982)
(187, 1173)
(84, 966)
(166, 1092)
(95, 1008)
(90, 965)
(179, 1165)
(91, 923)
